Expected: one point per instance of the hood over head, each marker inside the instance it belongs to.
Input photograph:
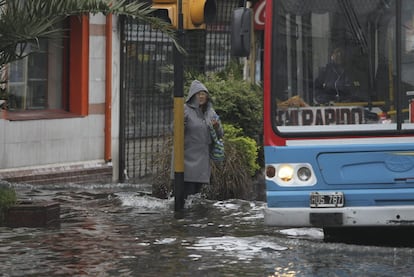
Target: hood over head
(196, 86)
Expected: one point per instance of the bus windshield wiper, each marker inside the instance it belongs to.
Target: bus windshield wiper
(354, 24)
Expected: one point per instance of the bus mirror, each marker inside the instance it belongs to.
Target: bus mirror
(241, 29)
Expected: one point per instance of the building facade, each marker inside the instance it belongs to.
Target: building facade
(62, 115)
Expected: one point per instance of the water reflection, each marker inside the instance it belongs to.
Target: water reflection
(120, 230)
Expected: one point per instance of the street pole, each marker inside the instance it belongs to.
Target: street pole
(179, 117)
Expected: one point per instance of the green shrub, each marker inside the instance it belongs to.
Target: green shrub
(7, 199)
(233, 177)
(245, 145)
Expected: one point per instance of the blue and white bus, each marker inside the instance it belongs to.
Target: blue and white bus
(338, 113)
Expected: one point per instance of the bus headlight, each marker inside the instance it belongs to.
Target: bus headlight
(285, 173)
(294, 174)
(304, 174)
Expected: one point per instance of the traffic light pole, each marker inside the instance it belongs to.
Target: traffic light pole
(179, 117)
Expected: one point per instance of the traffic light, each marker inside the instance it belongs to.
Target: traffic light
(166, 10)
(195, 12)
(198, 12)
(241, 30)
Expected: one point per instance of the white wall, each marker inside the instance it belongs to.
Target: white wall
(51, 141)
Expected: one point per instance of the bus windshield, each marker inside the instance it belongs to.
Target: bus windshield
(342, 66)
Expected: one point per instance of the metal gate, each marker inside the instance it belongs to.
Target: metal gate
(147, 85)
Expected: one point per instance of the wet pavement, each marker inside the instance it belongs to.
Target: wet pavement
(120, 230)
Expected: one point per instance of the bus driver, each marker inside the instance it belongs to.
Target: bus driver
(334, 83)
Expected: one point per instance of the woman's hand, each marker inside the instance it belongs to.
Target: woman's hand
(215, 121)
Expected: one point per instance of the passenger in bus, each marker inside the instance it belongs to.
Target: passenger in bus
(198, 114)
(334, 83)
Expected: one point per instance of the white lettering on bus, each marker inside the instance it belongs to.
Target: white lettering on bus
(320, 116)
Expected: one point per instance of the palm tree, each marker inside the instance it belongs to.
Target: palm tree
(25, 22)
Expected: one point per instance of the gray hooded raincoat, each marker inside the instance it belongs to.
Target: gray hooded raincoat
(197, 138)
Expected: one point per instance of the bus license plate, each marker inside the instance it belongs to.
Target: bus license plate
(326, 199)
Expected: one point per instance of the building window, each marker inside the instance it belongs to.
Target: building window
(36, 82)
(54, 78)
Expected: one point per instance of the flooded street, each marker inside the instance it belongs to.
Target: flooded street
(119, 230)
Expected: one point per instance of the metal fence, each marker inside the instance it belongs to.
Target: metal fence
(147, 85)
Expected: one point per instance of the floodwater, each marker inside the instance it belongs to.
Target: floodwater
(120, 230)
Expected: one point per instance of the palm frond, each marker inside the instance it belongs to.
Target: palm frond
(25, 22)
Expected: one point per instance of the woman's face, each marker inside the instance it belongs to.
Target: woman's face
(202, 97)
